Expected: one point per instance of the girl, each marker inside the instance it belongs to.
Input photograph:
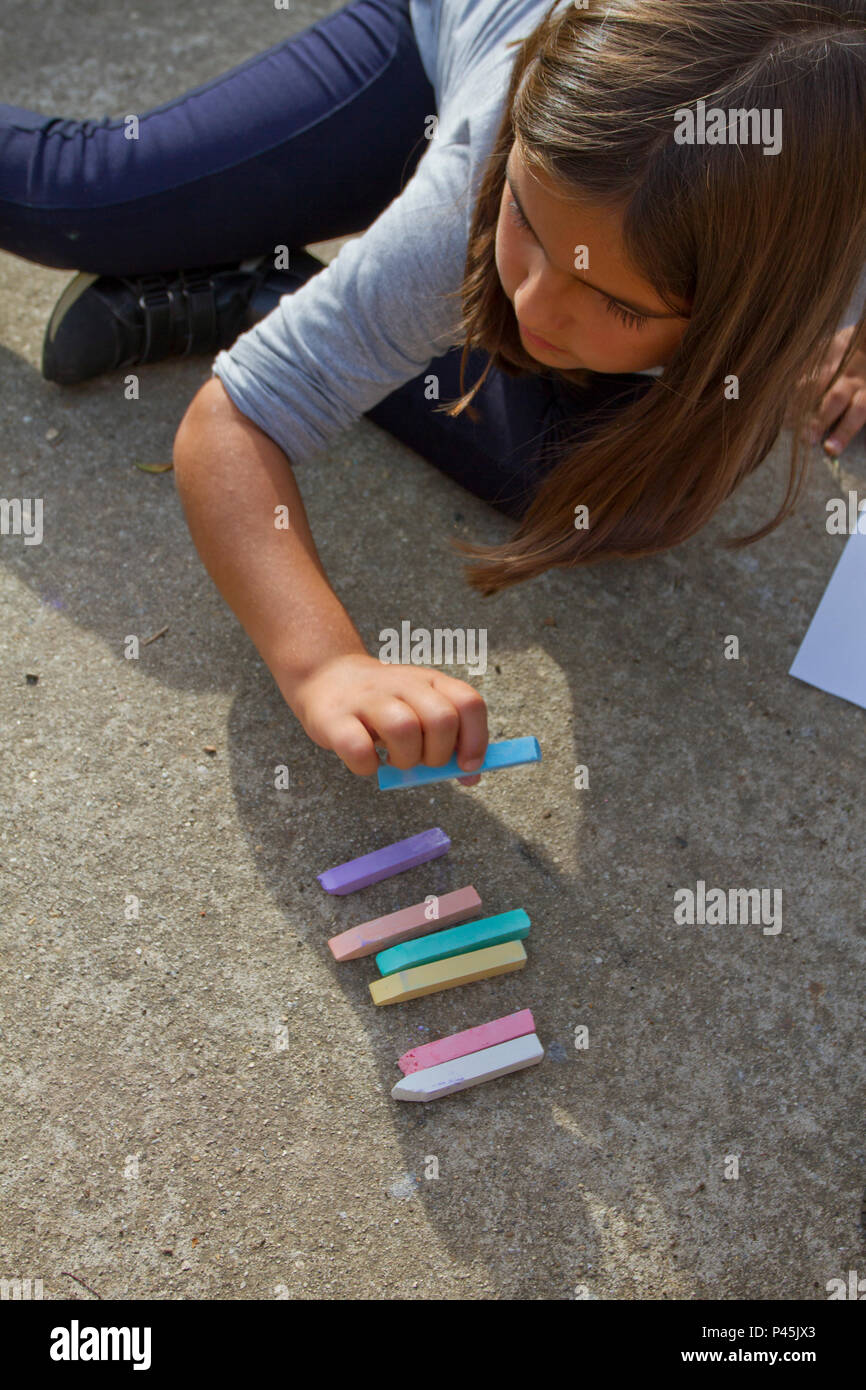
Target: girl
(626, 228)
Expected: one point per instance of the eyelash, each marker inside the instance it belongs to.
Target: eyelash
(630, 320)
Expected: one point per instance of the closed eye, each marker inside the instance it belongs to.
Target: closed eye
(629, 319)
(518, 215)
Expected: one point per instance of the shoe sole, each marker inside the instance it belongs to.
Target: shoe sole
(73, 291)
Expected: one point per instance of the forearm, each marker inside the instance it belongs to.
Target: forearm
(231, 478)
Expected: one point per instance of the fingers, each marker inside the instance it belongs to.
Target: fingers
(440, 723)
(817, 424)
(422, 716)
(472, 737)
(836, 348)
(848, 425)
(833, 405)
(840, 400)
(398, 726)
(387, 721)
(430, 719)
(813, 384)
(352, 742)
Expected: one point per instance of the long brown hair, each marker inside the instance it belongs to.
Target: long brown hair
(768, 248)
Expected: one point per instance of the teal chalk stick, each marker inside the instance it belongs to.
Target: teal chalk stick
(470, 936)
(508, 752)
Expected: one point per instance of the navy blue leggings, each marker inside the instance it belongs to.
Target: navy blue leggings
(308, 140)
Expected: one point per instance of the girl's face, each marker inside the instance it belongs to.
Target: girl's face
(604, 317)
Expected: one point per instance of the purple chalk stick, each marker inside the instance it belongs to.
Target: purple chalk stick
(382, 863)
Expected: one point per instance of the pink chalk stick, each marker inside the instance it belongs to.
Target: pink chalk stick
(470, 1040)
(409, 922)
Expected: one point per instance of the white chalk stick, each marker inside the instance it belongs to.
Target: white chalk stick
(463, 1072)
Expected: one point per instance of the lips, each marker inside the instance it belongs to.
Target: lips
(537, 339)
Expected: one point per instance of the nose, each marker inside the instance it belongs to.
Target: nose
(538, 303)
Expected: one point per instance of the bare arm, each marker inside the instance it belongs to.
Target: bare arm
(231, 476)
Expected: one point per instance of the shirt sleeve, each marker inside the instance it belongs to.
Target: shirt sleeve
(369, 322)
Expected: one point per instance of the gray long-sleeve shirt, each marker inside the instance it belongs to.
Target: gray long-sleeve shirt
(379, 313)
(375, 317)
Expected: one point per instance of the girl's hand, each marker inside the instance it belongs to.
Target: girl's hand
(844, 405)
(355, 701)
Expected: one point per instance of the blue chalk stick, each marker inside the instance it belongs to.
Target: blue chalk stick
(509, 752)
(454, 941)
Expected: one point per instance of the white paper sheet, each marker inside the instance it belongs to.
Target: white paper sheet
(832, 655)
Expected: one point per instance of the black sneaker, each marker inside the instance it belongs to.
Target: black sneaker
(103, 323)
(272, 284)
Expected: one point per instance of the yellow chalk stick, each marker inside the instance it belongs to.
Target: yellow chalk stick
(445, 974)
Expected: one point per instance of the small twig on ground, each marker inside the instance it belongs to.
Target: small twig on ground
(66, 1275)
